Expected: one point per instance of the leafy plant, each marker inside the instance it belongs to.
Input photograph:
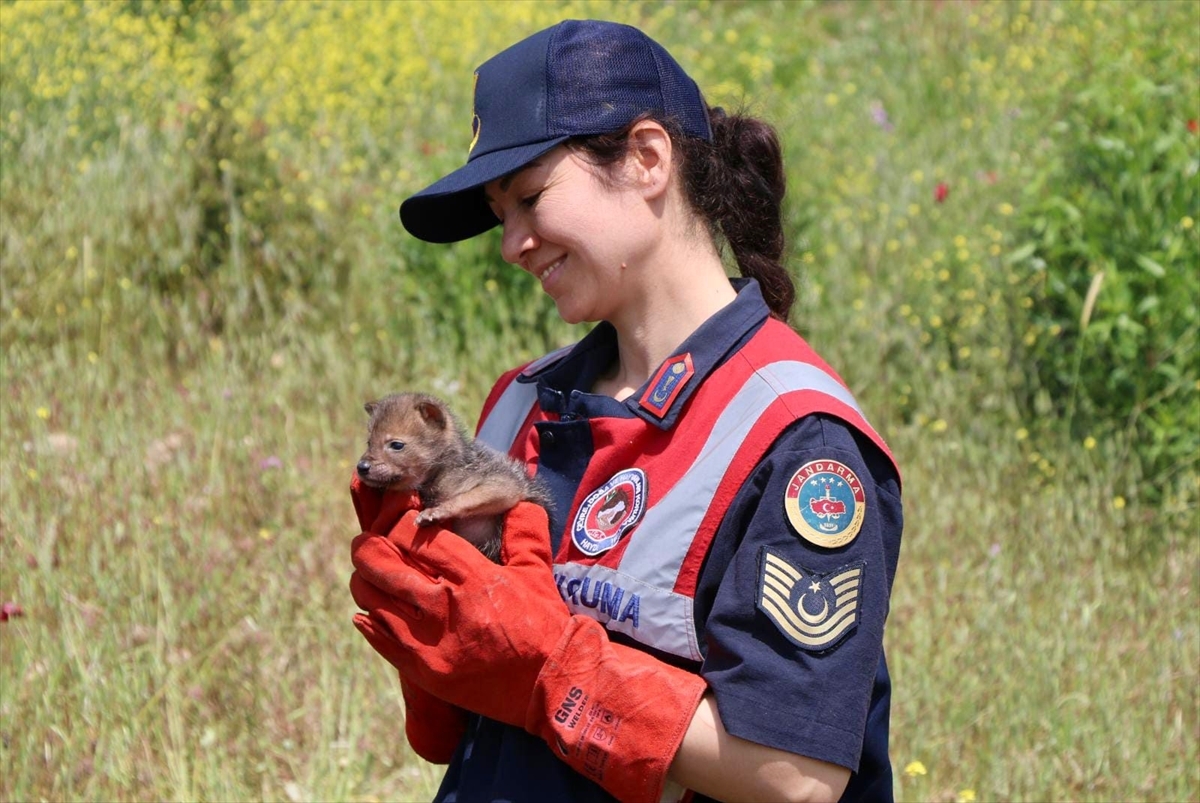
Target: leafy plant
(1111, 254)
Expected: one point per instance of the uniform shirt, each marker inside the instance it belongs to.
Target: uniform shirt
(829, 702)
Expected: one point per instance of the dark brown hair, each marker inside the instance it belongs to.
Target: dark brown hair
(735, 184)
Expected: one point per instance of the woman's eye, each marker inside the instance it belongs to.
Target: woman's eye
(531, 200)
(396, 446)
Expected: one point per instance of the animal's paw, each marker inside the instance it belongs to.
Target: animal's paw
(427, 517)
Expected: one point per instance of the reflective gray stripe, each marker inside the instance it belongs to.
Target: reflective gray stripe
(509, 412)
(670, 525)
(664, 618)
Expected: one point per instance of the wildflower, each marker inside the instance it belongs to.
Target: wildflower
(43, 413)
(994, 550)
(1118, 502)
(941, 192)
(1005, 209)
(270, 462)
(915, 768)
(1089, 443)
(1193, 125)
(10, 610)
(966, 796)
(880, 116)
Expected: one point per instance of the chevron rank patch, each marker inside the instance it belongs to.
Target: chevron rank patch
(814, 611)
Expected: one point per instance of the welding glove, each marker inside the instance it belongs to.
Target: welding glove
(498, 640)
(433, 727)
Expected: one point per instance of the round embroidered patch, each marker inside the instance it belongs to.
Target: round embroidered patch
(825, 503)
(609, 512)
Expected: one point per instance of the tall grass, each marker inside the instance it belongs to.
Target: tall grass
(182, 400)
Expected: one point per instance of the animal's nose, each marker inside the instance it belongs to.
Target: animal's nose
(364, 468)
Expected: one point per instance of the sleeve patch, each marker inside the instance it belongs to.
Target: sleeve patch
(825, 503)
(814, 611)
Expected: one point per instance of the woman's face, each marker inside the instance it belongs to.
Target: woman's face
(572, 231)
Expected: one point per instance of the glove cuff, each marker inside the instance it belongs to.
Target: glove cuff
(613, 713)
(433, 727)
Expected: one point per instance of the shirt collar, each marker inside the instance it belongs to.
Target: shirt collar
(560, 376)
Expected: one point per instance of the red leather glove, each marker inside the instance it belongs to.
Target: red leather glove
(498, 640)
(433, 727)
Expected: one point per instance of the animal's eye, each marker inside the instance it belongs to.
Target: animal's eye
(395, 446)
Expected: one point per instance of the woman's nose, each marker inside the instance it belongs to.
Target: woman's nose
(518, 240)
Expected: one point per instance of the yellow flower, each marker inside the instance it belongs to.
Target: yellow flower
(1187, 222)
(915, 768)
(1005, 209)
(1089, 443)
(1022, 434)
(1118, 502)
(966, 796)
(43, 413)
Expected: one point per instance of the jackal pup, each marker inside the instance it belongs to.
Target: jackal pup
(415, 443)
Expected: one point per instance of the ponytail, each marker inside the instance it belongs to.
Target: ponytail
(735, 184)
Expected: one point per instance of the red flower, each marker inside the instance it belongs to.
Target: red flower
(941, 191)
(1194, 125)
(10, 610)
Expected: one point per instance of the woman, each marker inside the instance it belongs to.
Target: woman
(726, 523)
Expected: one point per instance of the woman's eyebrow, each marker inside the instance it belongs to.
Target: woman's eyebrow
(506, 181)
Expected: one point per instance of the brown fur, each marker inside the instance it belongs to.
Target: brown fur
(415, 443)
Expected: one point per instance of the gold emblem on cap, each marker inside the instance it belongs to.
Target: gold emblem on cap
(476, 123)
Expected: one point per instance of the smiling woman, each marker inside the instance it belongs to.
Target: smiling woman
(717, 561)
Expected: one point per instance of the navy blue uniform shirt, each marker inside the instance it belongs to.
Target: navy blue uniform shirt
(828, 702)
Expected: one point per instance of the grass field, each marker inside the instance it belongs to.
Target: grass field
(204, 278)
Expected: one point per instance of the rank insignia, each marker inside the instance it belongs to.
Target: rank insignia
(665, 386)
(825, 503)
(814, 611)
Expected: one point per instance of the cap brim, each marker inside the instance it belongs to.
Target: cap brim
(454, 207)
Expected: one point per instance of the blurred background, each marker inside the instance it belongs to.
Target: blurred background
(992, 215)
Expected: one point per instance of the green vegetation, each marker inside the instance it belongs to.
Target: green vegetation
(203, 278)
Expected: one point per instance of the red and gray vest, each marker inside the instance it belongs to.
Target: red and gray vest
(644, 584)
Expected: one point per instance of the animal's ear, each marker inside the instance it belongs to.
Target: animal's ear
(432, 412)
(370, 407)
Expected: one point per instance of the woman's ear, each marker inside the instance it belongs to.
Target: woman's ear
(650, 158)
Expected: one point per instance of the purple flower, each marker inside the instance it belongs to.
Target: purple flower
(880, 116)
(10, 610)
(270, 462)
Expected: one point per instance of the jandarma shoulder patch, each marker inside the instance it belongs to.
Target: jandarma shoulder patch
(814, 611)
(825, 503)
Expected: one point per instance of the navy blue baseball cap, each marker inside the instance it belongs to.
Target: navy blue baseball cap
(577, 78)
